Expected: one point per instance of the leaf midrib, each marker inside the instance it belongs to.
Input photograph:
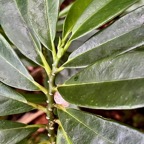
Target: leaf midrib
(65, 135)
(48, 24)
(17, 69)
(71, 58)
(100, 24)
(88, 127)
(5, 96)
(89, 17)
(91, 83)
(29, 33)
(12, 111)
(15, 128)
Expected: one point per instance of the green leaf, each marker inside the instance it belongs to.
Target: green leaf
(60, 137)
(114, 83)
(61, 1)
(60, 25)
(11, 102)
(124, 67)
(136, 5)
(43, 15)
(35, 98)
(124, 35)
(80, 41)
(22, 6)
(24, 141)
(23, 9)
(65, 11)
(12, 132)
(17, 30)
(12, 71)
(85, 16)
(74, 13)
(84, 128)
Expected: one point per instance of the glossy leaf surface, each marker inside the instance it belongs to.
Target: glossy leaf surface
(124, 35)
(61, 138)
(12, 132)
(80, 41)
(74, 13)
(23, 9)
(17, 30)
(123, 67)
(85, 16)
(12, 71)
(84, 128)
(12, 102)
(114, 83)
(35, 98)
(43, 15)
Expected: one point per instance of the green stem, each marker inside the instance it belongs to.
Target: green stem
(43, 89)
(60, 69)
(37, 106)
(46, 65)
(50, 114)
(52, 89)
(36, 125)
(67, 46)
(54, 52)
(50, 106)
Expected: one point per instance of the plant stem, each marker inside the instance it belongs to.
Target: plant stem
(50, 114)
(43, 89)
(46, 65)
(54, 52)
(52, 89)
(50, 106)
(37, 106)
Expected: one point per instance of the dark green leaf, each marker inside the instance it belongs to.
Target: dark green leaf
(124, 35)
(24, 141)
(114, 83)
(64, 75)
(12, 102)
(35, 98)
(60, 137)
(43, 15)
(84, 128)
(12, 132)
(80, 41)
(124, 67)
(23, 8)
(12, 71)
(74, 13)
(17, 30)
(85, 16)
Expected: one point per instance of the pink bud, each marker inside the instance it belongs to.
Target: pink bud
(59, 100)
